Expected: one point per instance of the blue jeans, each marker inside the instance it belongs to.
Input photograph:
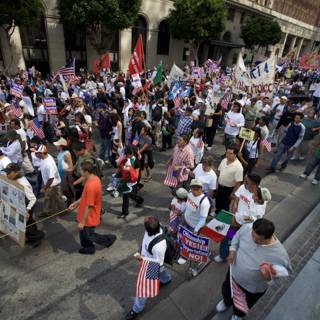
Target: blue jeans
(224, 248)
(282, 150)
(105, 146)
(312, 164)
(139, 303)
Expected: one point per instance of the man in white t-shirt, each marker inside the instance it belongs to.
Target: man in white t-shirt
(53, 201)
(197, 207)
(4, 161)
(234, 121)
(153, 248)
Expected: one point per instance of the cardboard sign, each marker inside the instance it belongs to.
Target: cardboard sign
(50, 105)
(257, 81)
(193, 247)
(12, 210)
(176, 74)
(246, 134)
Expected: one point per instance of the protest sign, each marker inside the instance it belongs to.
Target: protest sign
(12, 210)
(198, 72)
(175, 74)
(256, 81)
(246, 134)
(50, 105)
(310, 61)
(136, 82)
(193, 247)
(28, 108)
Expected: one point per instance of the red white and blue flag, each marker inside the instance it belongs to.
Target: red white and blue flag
(135, 141)
(16, 90)
(174, 220)
(267, 144)
(238, 296)
(148, 282)
(16, 110)
(68, 70)
(35, 126)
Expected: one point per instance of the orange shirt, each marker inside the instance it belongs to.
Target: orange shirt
(91, 195)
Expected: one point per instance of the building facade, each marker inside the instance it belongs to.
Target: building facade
(48, 44)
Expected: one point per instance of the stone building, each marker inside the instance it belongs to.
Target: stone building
(48, 45)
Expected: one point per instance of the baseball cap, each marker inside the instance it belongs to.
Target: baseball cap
(182, 193)
(12, 167)
(61, 142)
(196, 183)
(265, 194)
(284, 98)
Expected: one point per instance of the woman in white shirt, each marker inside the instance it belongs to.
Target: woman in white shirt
(234, 121)
(116, 137)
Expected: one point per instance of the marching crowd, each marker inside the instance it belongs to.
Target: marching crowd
(133, 124)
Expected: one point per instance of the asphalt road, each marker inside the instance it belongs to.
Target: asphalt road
(53, 281)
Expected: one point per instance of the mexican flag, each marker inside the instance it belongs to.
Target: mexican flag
(157, 74)
(218, 228)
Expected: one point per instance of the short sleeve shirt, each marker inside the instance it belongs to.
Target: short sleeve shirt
(91, 196)
(230, 174)
(49, 170)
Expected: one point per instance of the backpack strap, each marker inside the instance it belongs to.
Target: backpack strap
(205, 196)
(155, 241)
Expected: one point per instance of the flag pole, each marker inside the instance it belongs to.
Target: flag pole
(143, 64)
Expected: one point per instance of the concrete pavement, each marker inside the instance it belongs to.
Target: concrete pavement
(55, 282)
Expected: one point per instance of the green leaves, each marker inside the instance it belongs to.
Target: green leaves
(194, 19)
(261, 31)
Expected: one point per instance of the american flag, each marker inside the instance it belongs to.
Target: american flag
(16, 90)
(239, 298)
(35, 126)
(135, 141)
(67, 71)
(177, 101)
(226, 99)
(267, 144)
(74, 79)
(148, 282)
(16, 110)
(174, 220)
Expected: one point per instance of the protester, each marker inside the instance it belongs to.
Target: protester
(145, 144)
(88, 214)
(252, 273)
(153, 248)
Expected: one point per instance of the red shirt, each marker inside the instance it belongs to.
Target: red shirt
(91, 196)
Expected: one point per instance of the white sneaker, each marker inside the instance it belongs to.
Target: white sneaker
(315, 182)
(301, 158)
(181, 261)
(218, 259)
(221, 306)
(303, 176)
(293, 158)
(64, 198)
(209, 148)
(115, 194)
(234, 317)
(110, 188)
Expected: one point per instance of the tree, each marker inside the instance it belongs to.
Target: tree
(18, 13)
(195, 20)
(99, 18)
(260, 31)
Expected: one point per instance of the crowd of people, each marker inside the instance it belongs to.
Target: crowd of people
(63, 159)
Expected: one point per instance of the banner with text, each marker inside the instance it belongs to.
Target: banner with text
(50, 105)
(256, 81)
(193, 247)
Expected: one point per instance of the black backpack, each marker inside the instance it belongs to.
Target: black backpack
(173, 249)
(157, 113)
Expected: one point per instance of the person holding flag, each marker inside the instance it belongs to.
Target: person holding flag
(250, 274)
(152, 273)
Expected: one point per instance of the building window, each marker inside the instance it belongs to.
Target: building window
(243, 15)
(34, 46)
(140, 27)
(163, 38)
(75, 44)
(231, 13)
(185, 54)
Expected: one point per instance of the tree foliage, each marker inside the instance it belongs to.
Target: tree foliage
(261, 31)
(99, 18)
(19, 13)
(195, 20)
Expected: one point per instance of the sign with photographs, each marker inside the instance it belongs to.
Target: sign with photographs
(12, 210)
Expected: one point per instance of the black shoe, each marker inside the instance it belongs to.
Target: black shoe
(283, 166)
(139, 205)
(270, 170)
(87, 251)
(163, 149)
(131, 315)
(111, 239)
